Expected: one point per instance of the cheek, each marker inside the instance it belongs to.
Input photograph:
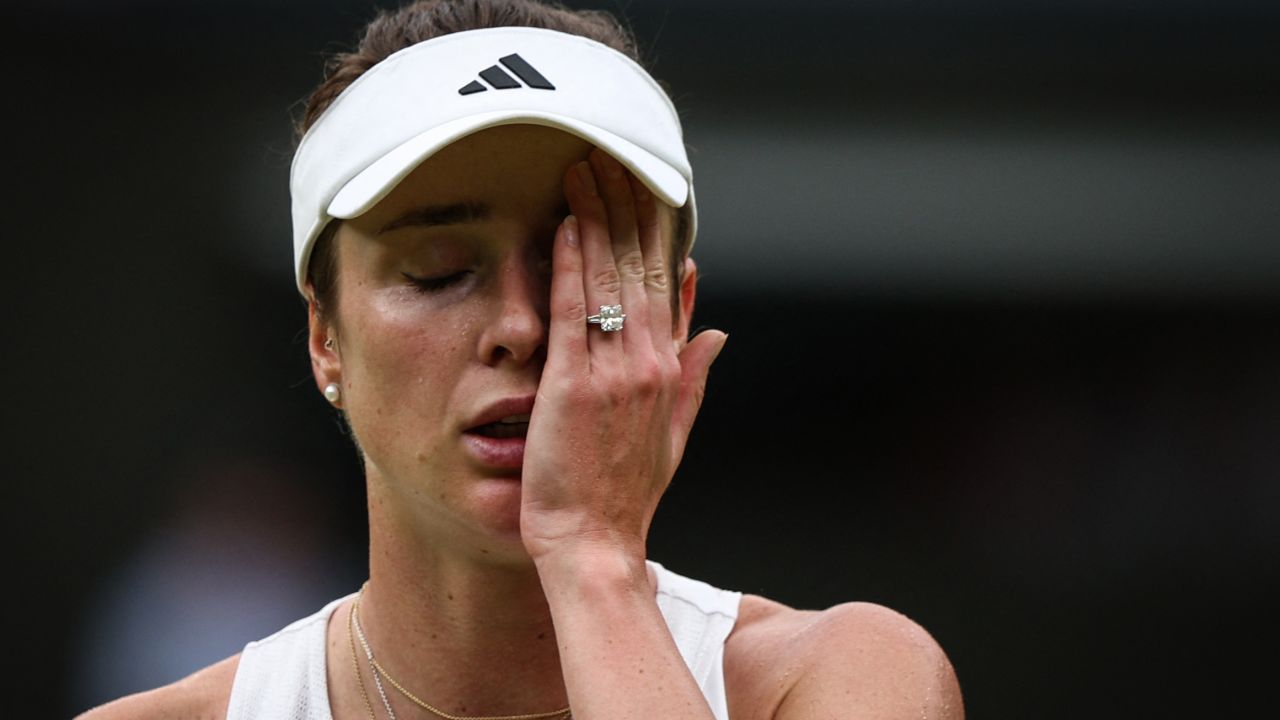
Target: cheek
(402, 365)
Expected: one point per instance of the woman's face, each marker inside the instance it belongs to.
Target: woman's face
(441, 324)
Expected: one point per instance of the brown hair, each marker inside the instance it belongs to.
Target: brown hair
(423, 20)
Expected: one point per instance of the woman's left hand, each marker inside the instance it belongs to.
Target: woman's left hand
(613, 409)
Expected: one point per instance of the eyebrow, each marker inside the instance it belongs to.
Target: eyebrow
(434, 215)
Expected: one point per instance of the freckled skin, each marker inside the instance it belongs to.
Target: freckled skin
(417, 367)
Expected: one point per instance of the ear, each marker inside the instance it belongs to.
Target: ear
(688, 292)
(322, 343)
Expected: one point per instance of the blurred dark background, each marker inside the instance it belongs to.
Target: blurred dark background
(1002, 282)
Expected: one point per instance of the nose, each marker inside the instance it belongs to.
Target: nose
(519, 323)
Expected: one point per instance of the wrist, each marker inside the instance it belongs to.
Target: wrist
(592, 568)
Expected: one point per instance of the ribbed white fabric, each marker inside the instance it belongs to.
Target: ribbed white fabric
(282, 677)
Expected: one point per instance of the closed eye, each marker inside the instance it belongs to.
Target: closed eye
(435, 284)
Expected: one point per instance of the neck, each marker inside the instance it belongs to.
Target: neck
(447, 623)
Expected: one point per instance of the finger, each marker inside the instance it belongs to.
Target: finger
(601, 285)
(615, 190)
(695, 365)
(567, 345)
(655, 246)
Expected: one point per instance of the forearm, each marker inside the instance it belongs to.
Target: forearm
(618, 657)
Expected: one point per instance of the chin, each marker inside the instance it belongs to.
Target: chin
(497, 512)
(504, 549)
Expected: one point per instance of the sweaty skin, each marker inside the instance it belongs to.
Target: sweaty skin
(534, 574)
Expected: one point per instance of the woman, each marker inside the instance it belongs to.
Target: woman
(492, 227)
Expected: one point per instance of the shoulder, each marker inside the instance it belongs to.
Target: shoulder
(199, 696)
(851, 660)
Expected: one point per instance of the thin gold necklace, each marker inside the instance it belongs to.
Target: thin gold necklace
(355, 620)
(355, 663)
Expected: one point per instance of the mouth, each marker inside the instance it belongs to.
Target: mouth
(512, 426)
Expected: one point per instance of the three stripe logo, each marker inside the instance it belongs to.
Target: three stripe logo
(500, 80)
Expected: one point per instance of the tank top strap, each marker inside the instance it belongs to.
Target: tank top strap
(700, 618)
(284, 676)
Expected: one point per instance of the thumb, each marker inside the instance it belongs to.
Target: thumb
(695, 365)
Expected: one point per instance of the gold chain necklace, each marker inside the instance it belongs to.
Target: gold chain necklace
(355, 620)
(355, 663)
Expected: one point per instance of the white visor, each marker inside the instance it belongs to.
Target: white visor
(424, 97)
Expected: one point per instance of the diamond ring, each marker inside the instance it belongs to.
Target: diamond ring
(610, 318)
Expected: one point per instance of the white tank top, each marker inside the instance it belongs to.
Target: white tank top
(282, 677)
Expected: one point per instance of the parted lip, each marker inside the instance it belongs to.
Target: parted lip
(506, 407)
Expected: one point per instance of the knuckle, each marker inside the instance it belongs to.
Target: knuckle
(617, 394)
(670, 373)
(575, 311)
(631, 265)
(655, 276)
(650, 383)
(647, 377)
(607, 281)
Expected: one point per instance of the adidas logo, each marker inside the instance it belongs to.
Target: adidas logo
(500, 80)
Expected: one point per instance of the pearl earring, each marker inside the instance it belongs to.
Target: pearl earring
(332, 393)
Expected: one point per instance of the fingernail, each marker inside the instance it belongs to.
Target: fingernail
(722, 344)
(587, 178)
(571, 231)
